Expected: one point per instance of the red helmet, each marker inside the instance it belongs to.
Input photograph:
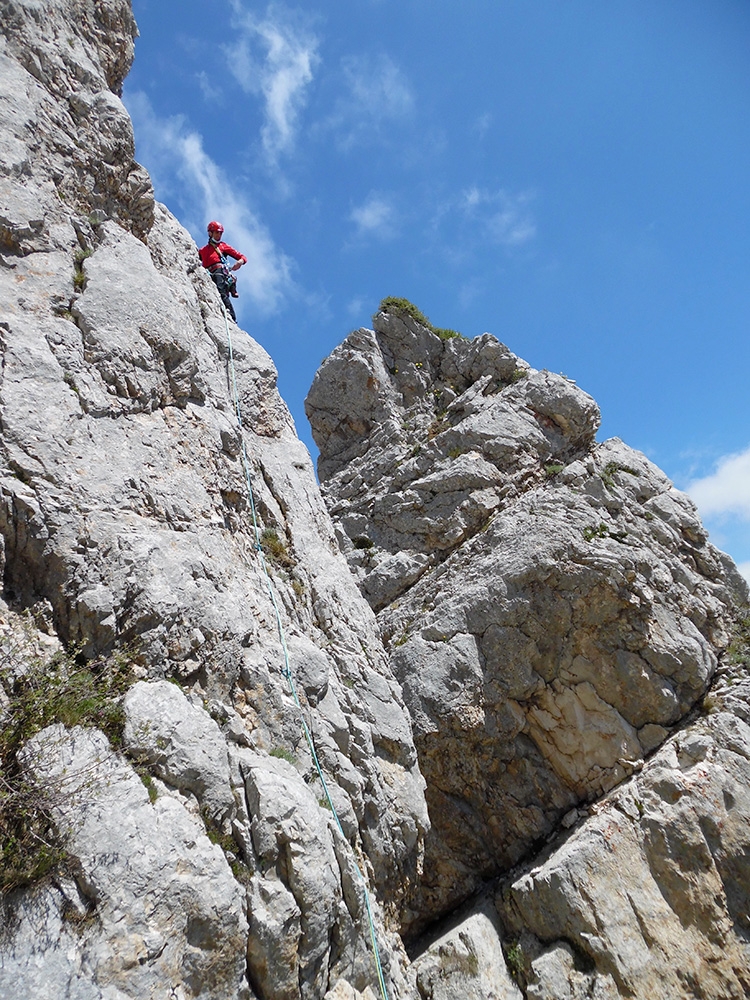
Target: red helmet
(215, 227)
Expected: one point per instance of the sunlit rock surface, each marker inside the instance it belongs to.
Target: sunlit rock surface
(565, 609)
(649, 897)
(125, 520)
(555, 671)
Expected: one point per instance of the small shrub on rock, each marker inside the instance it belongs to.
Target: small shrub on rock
(46, 691)
(514, 959)
(275, 549)
(403, 307)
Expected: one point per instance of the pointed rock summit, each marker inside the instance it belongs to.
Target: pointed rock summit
(552, 605)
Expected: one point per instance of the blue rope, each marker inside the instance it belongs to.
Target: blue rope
(287, 666)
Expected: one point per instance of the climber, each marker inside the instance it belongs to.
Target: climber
(213, 256)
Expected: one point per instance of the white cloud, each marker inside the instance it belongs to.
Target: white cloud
(378, 87)
(723, 500)
(211, 92)
(470, 290)
(185, 174)
(274, 55)
(727, 490)
(481, 125)
(356, 307)
(377, 94)
(465, 225)
(505, 218)
(374, 217)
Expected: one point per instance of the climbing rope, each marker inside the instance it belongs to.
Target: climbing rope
(287, 665)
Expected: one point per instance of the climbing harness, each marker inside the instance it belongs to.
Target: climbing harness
(287, 666)
(223, 270)
(226, 283)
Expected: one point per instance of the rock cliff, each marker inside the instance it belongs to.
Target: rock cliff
(127, 532)
(554, 612)
(524, 790)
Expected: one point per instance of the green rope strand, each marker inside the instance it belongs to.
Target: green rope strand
(287, 666)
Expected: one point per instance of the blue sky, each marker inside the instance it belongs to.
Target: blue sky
(570, 175)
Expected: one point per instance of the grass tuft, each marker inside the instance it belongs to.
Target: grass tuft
(79, 275)
(611, 469)
(48, 691)
(514, 959)
(276, 550)
(403, 307)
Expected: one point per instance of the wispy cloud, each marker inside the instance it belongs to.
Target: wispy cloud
(356, 307)
(481, 125)
(470, 290)
(211, 92)
(185, 174)
(376, 94)
(274, 55)
(727, 490)
(375, 217)
(505, 218)
(466, 225)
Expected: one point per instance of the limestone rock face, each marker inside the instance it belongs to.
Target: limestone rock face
(66, 135)
(422, 440)
(167, 908)
(649, 897)
(262, 772)
(564, 608)
(464, 961)
(126, 528)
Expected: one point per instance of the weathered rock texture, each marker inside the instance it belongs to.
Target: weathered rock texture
(551, 607)
(650, 896)
(66, 135)
(126, 526)
(560, 609)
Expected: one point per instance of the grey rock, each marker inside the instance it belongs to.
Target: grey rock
(309, 923)
(345, 991)
(415, 475)
(124, 513)
(71, 138)
(290, 839)
(652, 890)
(167, 909)
(565, 609)
(465, 961)
(555, 975)
(181, 743)
(552, 609)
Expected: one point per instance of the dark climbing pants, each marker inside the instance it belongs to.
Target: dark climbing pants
(223, 282)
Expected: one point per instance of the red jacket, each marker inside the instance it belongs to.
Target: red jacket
(211, 254)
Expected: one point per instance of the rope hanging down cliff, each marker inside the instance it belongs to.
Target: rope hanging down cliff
(287, 666)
